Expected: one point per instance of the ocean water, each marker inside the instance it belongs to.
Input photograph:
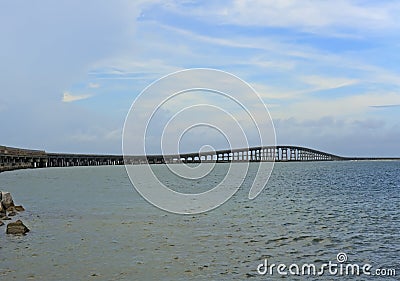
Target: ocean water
(89, 223)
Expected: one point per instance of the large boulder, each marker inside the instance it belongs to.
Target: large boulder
(6, 199)
(17, 228)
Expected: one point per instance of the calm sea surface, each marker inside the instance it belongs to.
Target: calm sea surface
(88, 223)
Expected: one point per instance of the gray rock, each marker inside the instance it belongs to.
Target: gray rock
(11, 209)
(19, 208)
(2, 209)
(4, 218)
(11, 214)
(17, 228)
(6, 199)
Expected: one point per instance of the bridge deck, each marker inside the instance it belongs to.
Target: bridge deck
(16, 158)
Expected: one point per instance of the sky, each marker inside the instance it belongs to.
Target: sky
(328, 71)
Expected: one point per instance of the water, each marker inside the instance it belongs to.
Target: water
(88, 223)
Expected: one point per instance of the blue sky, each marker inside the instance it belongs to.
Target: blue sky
(327, 70)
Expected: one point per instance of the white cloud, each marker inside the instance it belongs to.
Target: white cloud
(131, 67)
(310, 13)
(113, 134)
(272, 63)
(68, 97)
(312, 84)
(278, 54)
(78, 138)
(326, 83)
(311, 16)
(94, 85)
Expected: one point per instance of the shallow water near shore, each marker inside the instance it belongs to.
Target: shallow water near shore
(89, 223)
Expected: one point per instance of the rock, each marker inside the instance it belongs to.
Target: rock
(4, 218)
(6, 199)
(19, 208)
(11, 209)
(17, 228)
(2, 209)
(1, 223)
(11, 214)
(15, 209)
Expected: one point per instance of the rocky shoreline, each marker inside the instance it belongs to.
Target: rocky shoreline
(8, 210)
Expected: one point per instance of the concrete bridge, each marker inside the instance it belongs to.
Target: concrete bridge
(16, 158)
(12, 158)
(252, 154)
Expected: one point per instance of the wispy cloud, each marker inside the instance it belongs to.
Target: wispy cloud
(310, 16)
(385, 106)
(68, 97)
(326, 83)
(281, 54)
(94, 85)
(310, 84)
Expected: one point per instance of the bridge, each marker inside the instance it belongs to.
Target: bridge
(12, 158)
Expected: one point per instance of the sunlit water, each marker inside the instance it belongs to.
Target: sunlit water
(88, 223)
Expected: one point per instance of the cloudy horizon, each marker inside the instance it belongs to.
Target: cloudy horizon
(327, 71)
